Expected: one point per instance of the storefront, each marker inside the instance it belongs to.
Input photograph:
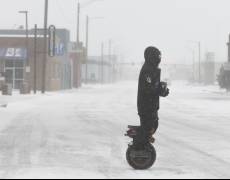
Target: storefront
(12, 60)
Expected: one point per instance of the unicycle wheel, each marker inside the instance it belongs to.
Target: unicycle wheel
(141, 159)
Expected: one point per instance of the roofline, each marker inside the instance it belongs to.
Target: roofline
(23, 32)
(19, 36)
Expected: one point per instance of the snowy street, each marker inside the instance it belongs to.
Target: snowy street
(80, 133)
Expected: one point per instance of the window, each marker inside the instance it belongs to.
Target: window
(9, 64)
(18, 73)
(18, 84)
(19, 63)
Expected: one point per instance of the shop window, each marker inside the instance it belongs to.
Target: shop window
(19, 63)
(19, 74)
(18, 84)
(9, 63)
(9, 76)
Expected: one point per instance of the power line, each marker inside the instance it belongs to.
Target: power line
(62, 12)
(88, 2)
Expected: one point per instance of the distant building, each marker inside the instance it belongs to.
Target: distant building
(180, 71)
(13, 54)
(129, 71)
(77, 57)
(209, 76)
(100, 71)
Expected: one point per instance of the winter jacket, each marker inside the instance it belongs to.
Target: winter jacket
(148, 89)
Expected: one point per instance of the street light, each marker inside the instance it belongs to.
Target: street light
(88, 19)
(193, 62)
(27, 43)
(199, 50)
(84, 5)
(80, 6)
(89, 2)
(102, 63)
(45, 46)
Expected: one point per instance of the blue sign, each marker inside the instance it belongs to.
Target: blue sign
(13, 53)
(60, 49)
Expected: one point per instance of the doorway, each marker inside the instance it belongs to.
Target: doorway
(14, 69)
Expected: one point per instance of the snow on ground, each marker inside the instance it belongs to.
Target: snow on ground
(80, 133)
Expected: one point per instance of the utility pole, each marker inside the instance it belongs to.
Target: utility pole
(25, 64)
(27, 39)
(78, 23)
(198, 43)
(88, 20)
(87, 49)
(110, 49)
(194, 65)
(199, 46)
(102, 63)
(45, 47)
(110, 60)
(35, 58)
(228, 44)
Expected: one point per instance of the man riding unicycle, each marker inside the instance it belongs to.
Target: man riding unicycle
(142, 155)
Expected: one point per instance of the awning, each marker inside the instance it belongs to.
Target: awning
(13, 54)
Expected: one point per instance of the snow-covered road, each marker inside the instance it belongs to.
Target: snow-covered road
(79, 134)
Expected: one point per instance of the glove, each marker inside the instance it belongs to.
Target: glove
(164, 90)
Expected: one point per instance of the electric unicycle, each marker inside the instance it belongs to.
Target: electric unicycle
(140, 158)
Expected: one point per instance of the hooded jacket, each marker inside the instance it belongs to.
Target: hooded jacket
(149, 86)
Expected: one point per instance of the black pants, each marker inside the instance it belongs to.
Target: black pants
(149, 125)
(149, 121)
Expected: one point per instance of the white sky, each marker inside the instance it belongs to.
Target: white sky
(136, 24)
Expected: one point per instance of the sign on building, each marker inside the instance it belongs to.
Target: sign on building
(13, 53)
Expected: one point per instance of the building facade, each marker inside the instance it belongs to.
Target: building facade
(100, 70)
(77, 55)
(19, 65)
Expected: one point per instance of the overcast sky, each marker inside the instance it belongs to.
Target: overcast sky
(136, 24)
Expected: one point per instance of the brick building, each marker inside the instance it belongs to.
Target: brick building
(13, 56)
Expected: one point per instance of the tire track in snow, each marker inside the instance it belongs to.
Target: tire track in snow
(18, 143)
(202, 161)
(14, 145)
(217, 166)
